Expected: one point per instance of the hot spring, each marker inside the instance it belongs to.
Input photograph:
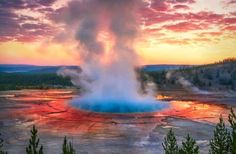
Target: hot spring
(119, 106)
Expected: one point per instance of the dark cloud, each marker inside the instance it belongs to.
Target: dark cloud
(9, 26)
(231, 2)
(46, 2)
(160, 5)
(16, 4)
(15, 26)
(21, 4)
(165, 5)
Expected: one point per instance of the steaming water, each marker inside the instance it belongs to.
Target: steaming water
(119, 106)
(108, 71)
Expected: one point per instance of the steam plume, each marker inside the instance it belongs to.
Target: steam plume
(108, 74)
(187, 85)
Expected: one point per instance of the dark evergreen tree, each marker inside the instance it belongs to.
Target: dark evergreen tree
(33, 147)
(1, 146)
(232, 121)
(196, 80)
(170, 144)
(221, 141)
(67, 148)
(189, 146)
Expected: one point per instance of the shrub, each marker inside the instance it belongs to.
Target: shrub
(67, 148)
(220, 142)
(170, 144)
(189, 146)
(33, 147)
(232, 121)
(1, 146)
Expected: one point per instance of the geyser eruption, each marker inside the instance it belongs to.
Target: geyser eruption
(106, 31)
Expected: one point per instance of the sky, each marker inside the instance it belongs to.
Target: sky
(170, 31)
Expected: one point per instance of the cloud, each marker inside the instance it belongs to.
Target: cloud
(184, 27)
(13, 27)
(22, 4)
(229, 21)
(164, 14)
(212, 34)
(181, 1)
(175, 41)
(233, 13)
(23, 27)
(231, 2)
(184, 7)
(160, 5)
(158, 18)
(204, 16)
(8, 25)
(230, 28)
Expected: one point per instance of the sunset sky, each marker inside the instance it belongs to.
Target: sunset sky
(170, 32)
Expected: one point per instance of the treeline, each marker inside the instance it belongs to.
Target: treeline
(217, 76)
(223, 141)
(17, 81)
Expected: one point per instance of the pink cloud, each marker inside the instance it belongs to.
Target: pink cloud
(181, 1)
(210, 34)
(203, 16)
(175, 41)
(160, 5)
(231, 2)
(230, 28)
(184, 7)
(185, 26)
(163, 17)
(152, 17)
(233, 13)
(229, 21)
(202, 39)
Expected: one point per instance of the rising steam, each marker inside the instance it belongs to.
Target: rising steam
(187, 85)
(106, 31)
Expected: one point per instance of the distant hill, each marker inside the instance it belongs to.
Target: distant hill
(154, 68)
(12, 68)
(8, 68)
(211, 77)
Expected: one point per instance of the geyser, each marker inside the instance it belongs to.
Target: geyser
(106, 31)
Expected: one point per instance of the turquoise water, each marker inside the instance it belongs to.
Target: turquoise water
(119, 106)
